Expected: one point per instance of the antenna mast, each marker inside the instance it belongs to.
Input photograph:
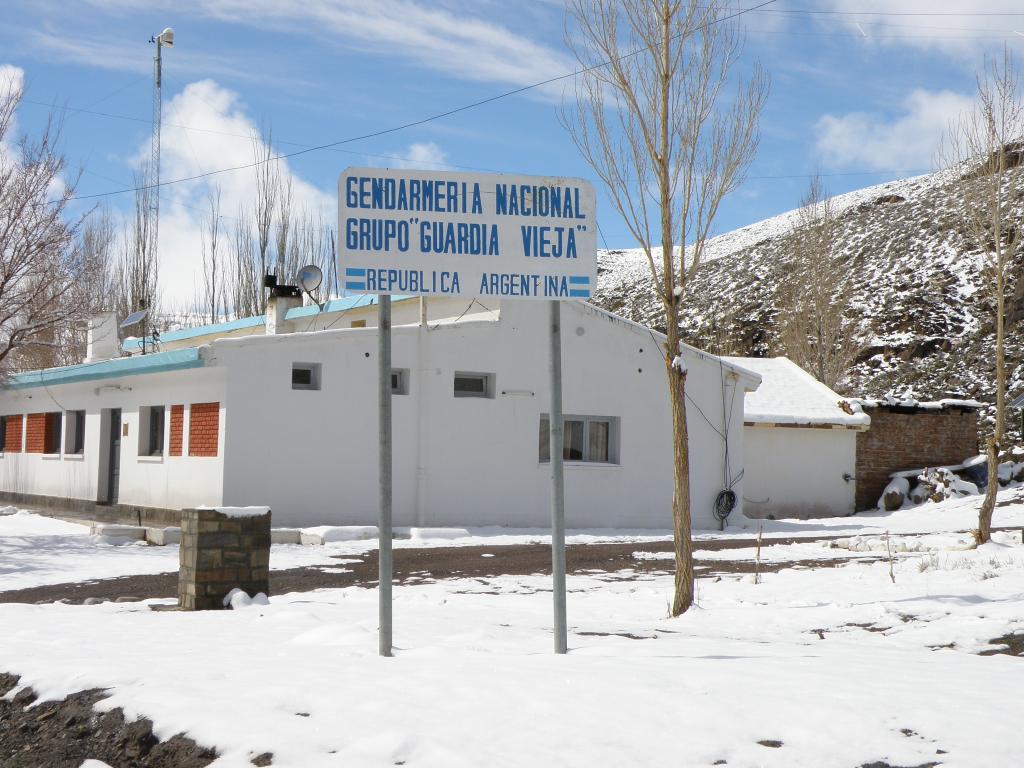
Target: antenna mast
(153, 193)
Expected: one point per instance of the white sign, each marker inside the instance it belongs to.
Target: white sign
(466, 234)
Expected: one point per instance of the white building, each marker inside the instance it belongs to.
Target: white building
(283, 412)
(800, 444)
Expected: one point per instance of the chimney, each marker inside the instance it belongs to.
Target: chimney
(102, 342)
(277, 309)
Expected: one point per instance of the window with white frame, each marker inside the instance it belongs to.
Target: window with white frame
(74, 433)
(586, 439)
(151, 430)
(306, 376)
(474, 384)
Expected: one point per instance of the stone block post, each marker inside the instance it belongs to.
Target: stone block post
(222, 549)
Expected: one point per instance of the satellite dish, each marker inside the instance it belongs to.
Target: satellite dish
(167, 37)
(310, 278)
(133, 318)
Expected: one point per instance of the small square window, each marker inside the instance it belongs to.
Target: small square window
(151, 430)
(74, 432)
(474, 384)
(305, 375)
(400, 381)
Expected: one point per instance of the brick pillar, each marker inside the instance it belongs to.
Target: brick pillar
(220, 551)
(15, 428)
(177, 429)
(203, 429)
(35, 433)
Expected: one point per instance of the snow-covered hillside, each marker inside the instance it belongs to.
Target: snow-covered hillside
(924, 323)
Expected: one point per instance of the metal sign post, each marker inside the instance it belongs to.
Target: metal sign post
(557, 431)
(467, 236)
(384, 472)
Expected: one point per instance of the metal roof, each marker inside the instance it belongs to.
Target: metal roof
(160, 362)
(334, 305)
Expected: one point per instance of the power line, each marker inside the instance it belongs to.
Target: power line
(249, 137)
(826, 12)
(412, 123)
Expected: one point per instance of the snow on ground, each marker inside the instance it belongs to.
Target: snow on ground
(832, 663)
(843, 666)
(951, 515)
(37, 550)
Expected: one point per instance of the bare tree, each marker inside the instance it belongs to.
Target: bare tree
(284, 236)
(265, 205)
(138, 270)
(246, 294)
(213, 261)
(45, 273)
(983, 148)
(815, 321)
(651, 119)
(96, 242)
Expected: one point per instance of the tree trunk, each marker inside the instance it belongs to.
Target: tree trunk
(683, 595)
(984, 533)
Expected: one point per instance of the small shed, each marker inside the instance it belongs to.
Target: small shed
(800, 444)
(911, 434)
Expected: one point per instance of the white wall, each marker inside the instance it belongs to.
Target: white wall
(798, 472)
(163, 482)
(311, 455)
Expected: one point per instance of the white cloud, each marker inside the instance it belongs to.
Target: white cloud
(12, 80)
(422, 155)
(453, 39)
(183, 206)
(907, 141)
(951, 26)
(126, 56)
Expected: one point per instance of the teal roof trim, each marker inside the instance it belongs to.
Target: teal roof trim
(334, 305)
(343, 304)
(202, 330)
(160, 362)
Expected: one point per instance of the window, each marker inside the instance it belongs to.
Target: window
(74, 432)
(3, 433)
(400, 381)
(358, 324)
(586, 438)
(305, 375)
(474, 384)
(151, 431)
(51, 432)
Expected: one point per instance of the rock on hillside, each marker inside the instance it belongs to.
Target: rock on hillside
(924, 319)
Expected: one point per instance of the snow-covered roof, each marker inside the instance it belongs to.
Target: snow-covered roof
(909, 403)
(790, 395)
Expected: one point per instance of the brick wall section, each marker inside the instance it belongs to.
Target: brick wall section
(177, 429)
(898, 441)
(219, 552)
(203, 429)
(35, 433)
(15, 427)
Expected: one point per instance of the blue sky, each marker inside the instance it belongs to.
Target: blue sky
(864, 98)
